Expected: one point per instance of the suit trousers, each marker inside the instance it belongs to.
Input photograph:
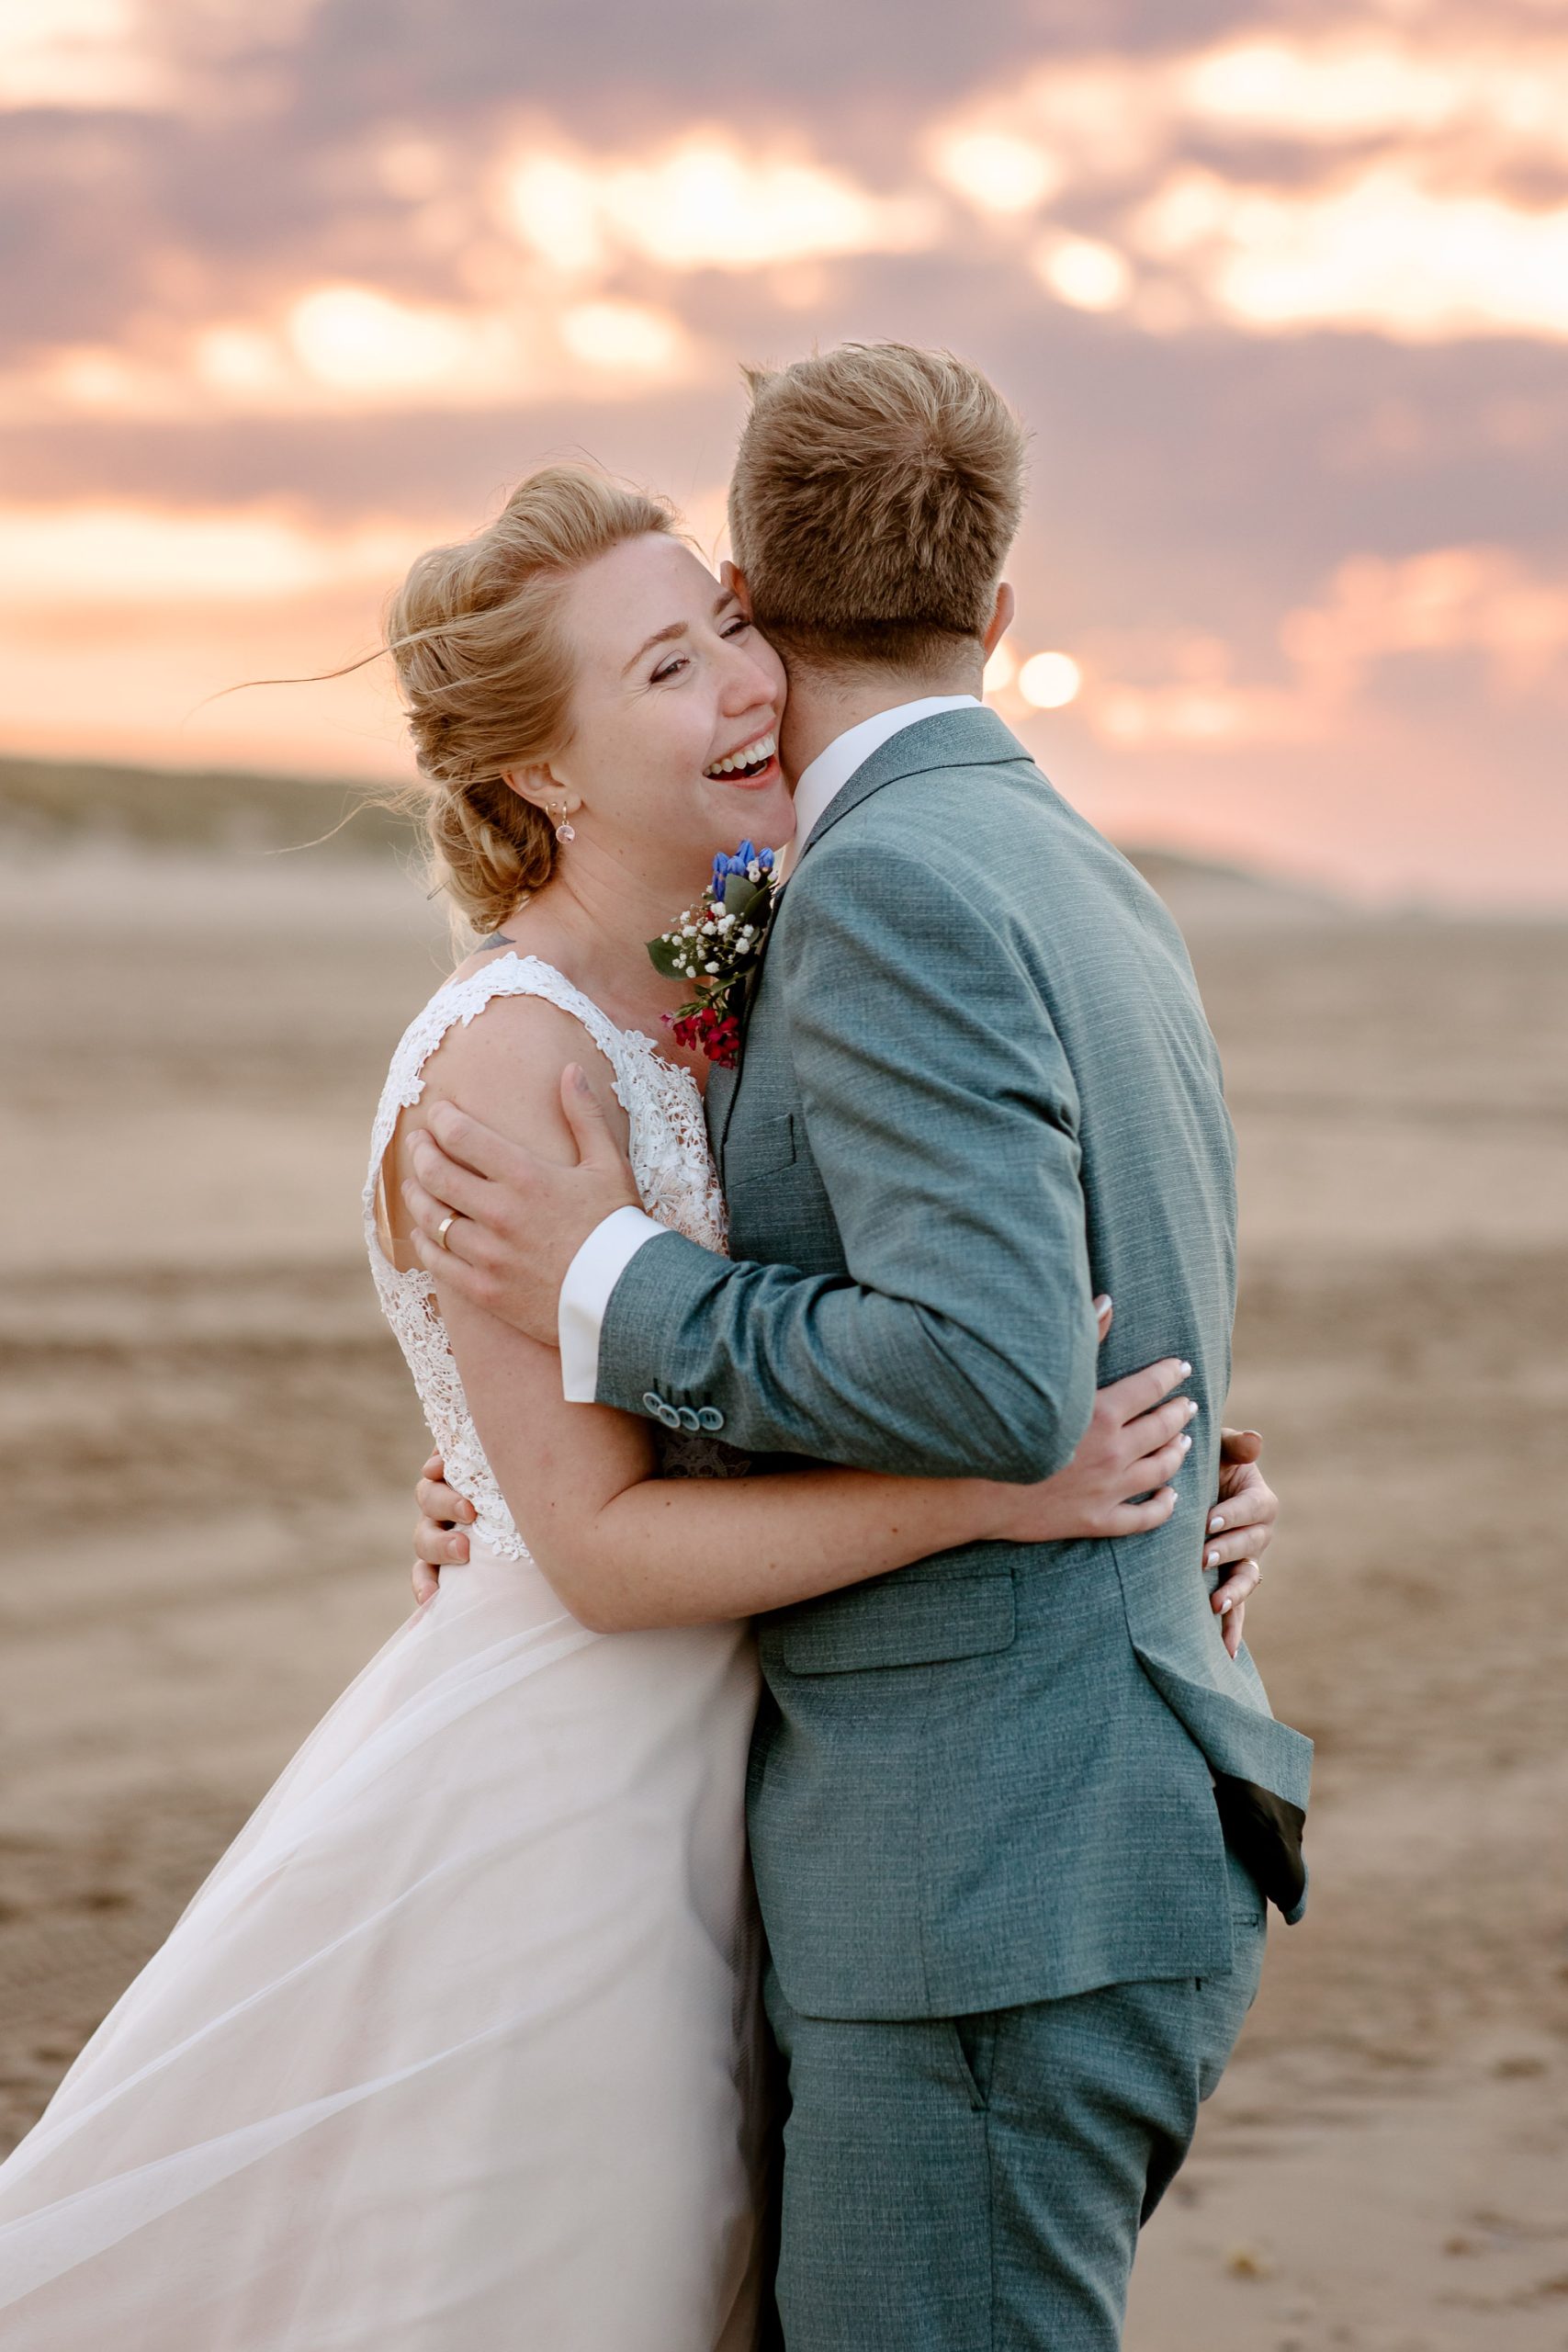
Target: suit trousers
(978, 2184)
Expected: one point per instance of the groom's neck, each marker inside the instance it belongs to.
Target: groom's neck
(824, 704)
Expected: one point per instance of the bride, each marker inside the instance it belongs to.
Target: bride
(457, 2049)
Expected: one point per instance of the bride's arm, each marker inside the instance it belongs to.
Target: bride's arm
(624, 1548)
(1088, 1500)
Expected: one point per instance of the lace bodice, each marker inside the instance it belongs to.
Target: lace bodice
(671, 1160)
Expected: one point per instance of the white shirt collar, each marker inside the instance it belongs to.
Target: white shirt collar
(826, 776)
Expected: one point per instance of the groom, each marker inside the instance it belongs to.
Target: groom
(1013, 1822)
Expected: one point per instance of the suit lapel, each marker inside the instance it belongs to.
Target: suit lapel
(718, 1100)
(721, 1109)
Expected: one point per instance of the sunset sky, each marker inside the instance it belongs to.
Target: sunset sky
(291, 291)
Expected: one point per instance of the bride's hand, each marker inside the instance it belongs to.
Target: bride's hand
(438, 1539)
(1134, 1445)
(1240, 1529)
(1134, 1442)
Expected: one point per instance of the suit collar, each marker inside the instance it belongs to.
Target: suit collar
(968, 737)
(826, 776)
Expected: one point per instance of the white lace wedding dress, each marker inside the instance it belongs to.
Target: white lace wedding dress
(454, 2050)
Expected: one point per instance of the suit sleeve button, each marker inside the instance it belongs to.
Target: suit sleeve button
(670, 1417)
(687, 1418)
(710, 1418)
(652, 1402)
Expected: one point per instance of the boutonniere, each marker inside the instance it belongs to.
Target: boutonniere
(714, 946)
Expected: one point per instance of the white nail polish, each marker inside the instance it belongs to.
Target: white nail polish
(1186, 1445)
(1216, 1522)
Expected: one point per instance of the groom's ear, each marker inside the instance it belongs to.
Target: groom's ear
(734, 579)
(1000, 620)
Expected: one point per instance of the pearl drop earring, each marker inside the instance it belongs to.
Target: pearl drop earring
(565, 829)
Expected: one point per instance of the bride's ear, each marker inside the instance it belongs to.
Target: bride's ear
(542, 790)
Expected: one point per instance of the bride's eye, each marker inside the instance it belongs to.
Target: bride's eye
(741, 621)
(667, 669)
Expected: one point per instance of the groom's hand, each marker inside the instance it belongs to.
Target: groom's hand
(513, 1222)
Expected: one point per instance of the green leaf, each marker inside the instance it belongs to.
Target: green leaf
(663, 953)
(740, 895)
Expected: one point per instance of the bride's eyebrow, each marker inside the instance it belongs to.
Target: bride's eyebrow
(659, 636)
(676, 629)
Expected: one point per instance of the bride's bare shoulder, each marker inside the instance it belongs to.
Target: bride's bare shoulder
(505, 1065)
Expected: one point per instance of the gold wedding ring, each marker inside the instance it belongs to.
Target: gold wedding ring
(444, 1227)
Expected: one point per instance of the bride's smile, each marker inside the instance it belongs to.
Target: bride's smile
(750, 766)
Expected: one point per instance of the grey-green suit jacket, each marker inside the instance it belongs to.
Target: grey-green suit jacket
(977, 1086)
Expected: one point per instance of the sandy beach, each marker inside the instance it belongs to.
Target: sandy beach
(209, 1441)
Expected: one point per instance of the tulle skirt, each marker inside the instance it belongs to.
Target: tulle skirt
(457, 2048)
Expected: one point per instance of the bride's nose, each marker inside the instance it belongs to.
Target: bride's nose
(748, 685)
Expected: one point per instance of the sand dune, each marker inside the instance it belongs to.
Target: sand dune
(208, 1440)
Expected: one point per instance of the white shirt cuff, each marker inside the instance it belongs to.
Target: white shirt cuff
(585, 1295)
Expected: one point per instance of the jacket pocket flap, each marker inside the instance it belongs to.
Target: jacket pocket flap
(898, 1625)
(758, 1150)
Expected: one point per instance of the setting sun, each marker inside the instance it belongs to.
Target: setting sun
(1049, 681)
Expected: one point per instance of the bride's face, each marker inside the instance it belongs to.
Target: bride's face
(676, 711)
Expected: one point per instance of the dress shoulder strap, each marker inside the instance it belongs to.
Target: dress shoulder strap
(508, 975)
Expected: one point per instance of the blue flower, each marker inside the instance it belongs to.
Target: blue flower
(748, 854)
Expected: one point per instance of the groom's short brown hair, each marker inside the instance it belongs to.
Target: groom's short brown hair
(877, 492)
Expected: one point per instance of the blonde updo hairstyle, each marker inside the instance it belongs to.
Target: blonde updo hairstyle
(486, 674)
